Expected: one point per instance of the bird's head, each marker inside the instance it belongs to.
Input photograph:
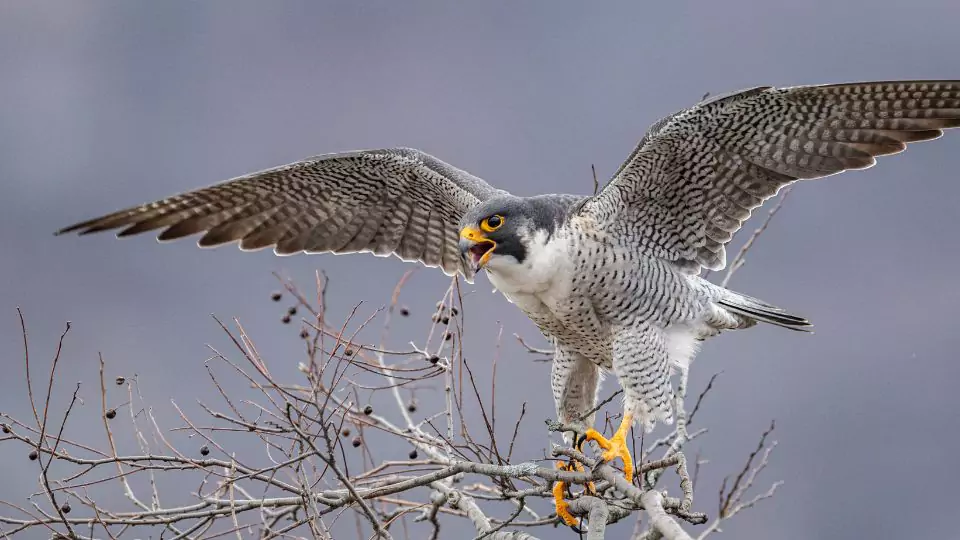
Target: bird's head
(494, 233)
(500, 232)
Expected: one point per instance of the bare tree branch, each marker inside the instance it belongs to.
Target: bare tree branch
(318, 451)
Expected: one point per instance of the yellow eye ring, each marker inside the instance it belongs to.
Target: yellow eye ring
(492, 223)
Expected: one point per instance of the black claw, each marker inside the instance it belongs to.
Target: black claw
(579, 441)
(577, 529)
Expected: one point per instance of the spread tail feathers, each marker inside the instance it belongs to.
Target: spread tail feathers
(758, 310)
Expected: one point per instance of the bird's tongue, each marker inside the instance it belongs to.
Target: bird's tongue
(478, 251)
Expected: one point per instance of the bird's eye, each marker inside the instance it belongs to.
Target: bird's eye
(492, 223)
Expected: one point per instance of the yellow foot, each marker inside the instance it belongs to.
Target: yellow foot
(577, 466)
(616, 446)
(613, 448)
(563, 507)
(559, 489)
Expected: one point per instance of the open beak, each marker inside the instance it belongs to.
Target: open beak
(475, 248)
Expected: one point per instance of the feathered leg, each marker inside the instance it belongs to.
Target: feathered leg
(575, 381)
(642, 365)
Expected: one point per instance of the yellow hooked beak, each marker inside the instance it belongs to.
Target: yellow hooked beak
(475, 247)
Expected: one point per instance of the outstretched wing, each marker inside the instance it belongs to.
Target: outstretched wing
(697, 175)
(398, 201)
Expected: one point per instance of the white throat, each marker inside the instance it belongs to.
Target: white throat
(545, 266)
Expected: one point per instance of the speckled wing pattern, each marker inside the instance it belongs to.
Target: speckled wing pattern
(697, 175)
(394, 201)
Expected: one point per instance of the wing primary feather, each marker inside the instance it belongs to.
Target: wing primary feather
(238, 227)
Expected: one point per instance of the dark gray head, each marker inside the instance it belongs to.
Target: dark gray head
(504, 226)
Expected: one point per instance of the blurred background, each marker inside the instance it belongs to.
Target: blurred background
(105, 105)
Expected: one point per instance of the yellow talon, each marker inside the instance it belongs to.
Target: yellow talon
(616, 446)
(613, 448)
(563, 507)
(577, 466)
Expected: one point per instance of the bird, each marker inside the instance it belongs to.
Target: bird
(614, 280)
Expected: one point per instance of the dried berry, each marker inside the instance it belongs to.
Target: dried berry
(434, 318)
(454, 311)
(120, 381)
(434, 359)
(368, 410)
(111, 414)
(345, 432)
(440, 306)
(33, 455)
(276, 296)
(447, 336)
(304, 334)
(285, 319)
(65, 508)
(292, 310)
(204, 450)
(413, 454)
(348, 352)
(412, 407)
(5, 428)
(404, 312)
(445, 320)
(356, 442)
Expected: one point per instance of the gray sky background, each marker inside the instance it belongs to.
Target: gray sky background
(107, 104)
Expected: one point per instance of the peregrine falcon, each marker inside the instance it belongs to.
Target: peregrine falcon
(612, 279)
